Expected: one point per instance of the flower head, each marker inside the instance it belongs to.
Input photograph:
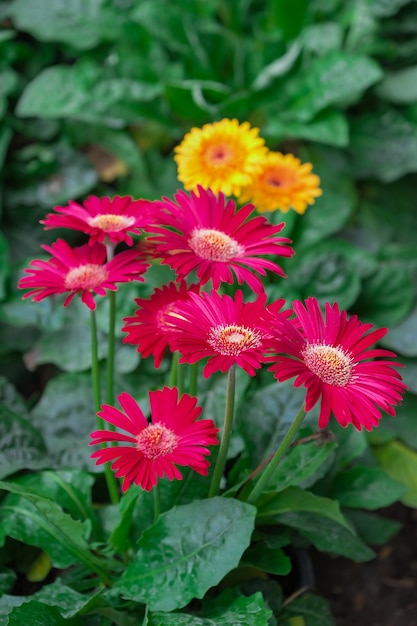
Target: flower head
(110, 219)
(207, 233)
(281, 183)
(150, 328)
(222, 156)
(331, 357)
(173, 437)
(224, 329)
(81, 270)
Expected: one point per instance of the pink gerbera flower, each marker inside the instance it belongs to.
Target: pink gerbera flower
(149, 328)
(174, 437)
(224, 329)
(103, 219)
(331, 357)
(209, 234)
(81, 270)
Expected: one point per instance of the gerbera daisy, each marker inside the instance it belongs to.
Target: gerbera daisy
(331, 357)
(283, 182)
(110, 219)
(81, 270)
(149, 328)
(222, 156)
(209, 234)
(174, 437)
(224, 329)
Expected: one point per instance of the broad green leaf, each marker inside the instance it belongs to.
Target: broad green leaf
(373, 529)
(400, 462)
(329, 127)
(21, 444)
(7, 579)
(387, 296)
(383, 146)
(274, 505)
(289, 18)
(403, 426)
(120, 535)
(301, 463)
(267, 559)
(403, 337)
(352, 444)
(310, 610)
(399, 87)
(327, 535)
(322, 37)
(409, 373)
(243, 612)
(11, 398)
(336, 78)
(68, 602)
(364, 487)
(386, 8)
(207, 537)
(7, 604)
(330, 271)
(34, 612)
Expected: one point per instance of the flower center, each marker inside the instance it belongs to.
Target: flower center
(331, 364)
(219, 155)
(86, 276)
(109, 222)
(231, 340)
(156, 441)
(278, 178)
(214, 245)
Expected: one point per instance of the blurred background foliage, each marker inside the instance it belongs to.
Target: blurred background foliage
(95, 94)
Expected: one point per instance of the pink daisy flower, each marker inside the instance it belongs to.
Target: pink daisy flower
(209, 234)
(331, 357)
(174, 437)
(149, 327)
(81, 270)
(224, 329)
(110, 219)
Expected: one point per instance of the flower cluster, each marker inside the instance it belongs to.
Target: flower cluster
(210, 242)
(230, 157)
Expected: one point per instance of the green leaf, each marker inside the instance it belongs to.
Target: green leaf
(7, 579)
(207, 537)
(7, 604)
(40, 522)
(327, 535)
(387, 296)
(403, 338)
(399, 87)
(373, 529)
(301, 463)
(403, 427)
(291, 499)
(400, 462)
(21, 444)
(311, 609)
(120, 535)
(11, 398)
(336, 78)
(267, 559)
(5, 136)
(243, 612)
(329, 127)
(34, 612)
(289, 18)
(68, 602)
(383, 146)
(330, 271)
(364, 487)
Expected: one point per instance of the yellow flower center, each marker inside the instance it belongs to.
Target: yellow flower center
(156, 441)
(232, 340)
(279, 177)
(214, 245)
(109, 222)
(218, 155)
(331, 364)
(86, 276)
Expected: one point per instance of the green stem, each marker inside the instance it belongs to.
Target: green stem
(180, 379)
(156, 502)
(269, 471)
(110, 479)
(193, 379)
(227, 431)
(174, 367)
(110, 353)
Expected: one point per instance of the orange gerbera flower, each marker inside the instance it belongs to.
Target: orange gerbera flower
(282, 183)
(223, 156)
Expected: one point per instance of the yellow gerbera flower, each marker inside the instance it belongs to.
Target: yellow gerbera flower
(223, 156)
(282, 183)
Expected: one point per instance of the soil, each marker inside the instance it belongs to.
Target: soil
(381, 592)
